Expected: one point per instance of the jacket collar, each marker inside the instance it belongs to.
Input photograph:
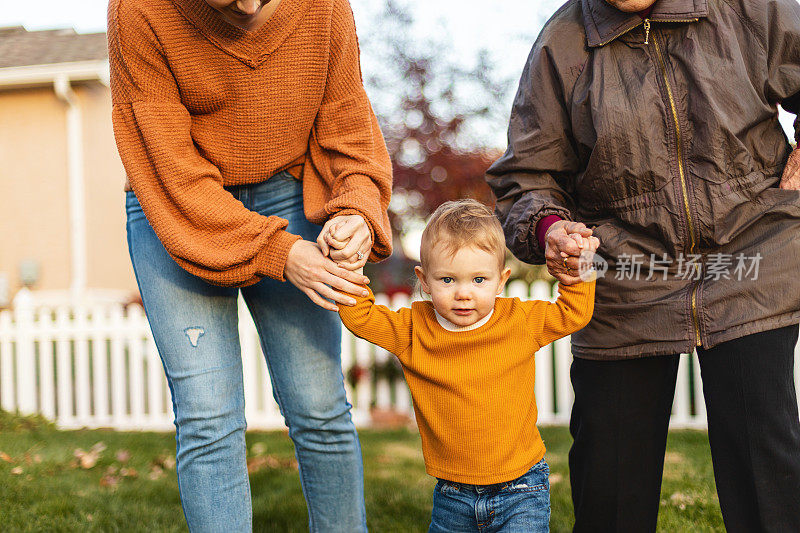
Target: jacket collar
(604, 23)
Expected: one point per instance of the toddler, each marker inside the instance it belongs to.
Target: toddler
(468, 359)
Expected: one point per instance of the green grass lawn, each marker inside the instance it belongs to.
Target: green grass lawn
(53, 481)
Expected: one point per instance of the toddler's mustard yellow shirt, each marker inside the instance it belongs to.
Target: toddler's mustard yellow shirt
(473, 390)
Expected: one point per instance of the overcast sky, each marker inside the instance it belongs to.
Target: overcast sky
(505, 28)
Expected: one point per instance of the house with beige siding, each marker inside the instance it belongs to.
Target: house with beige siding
(62, 216)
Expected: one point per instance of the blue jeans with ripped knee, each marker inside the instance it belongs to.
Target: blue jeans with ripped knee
(521, 505)
(195, 328)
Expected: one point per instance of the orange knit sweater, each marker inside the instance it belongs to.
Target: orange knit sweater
(473, 390)
(200, 104)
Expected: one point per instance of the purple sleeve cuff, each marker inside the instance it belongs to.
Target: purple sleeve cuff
(543, 225)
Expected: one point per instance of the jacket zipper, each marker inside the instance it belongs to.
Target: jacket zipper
(684, 189)
(647, 28)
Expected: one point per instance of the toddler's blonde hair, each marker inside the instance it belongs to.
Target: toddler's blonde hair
(463, 223)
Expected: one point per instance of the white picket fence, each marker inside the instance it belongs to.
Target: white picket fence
(97, 366)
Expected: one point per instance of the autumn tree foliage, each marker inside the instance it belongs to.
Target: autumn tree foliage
(441, 119)
(435, 113)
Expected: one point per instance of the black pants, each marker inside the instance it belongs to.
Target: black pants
(619, 426)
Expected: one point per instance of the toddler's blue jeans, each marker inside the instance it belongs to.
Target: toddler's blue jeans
(518, 506)
(195, 329)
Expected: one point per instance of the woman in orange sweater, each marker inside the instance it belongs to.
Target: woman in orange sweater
(243, 126)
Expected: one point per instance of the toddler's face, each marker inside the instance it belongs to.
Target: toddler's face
(462, 286)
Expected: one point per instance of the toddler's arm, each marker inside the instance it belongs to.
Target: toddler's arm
(378, 324)
(572, 310)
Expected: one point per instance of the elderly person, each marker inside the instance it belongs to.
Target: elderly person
(656, 125)
(243, 126)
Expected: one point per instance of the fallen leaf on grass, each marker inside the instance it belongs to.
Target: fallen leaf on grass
(31, 456)
(259, 448)
(122, 456)
(681, 500)
(109, 481)
(84, 459)
(165, 462)
(128, 472)
(156, 473)
(555, 479)
(159, 465)
(17, 470)
(254, 464)
(114, 475)
(674, 458)
(87, 460)
(99, 447)
(5, 457)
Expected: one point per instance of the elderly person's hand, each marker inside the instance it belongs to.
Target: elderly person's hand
(562, 250)
(346, 240)
(317, 276)
(791, 174)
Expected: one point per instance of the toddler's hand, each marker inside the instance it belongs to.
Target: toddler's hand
(588, 246)
(346, 239)
(585, 243)
(593, 243)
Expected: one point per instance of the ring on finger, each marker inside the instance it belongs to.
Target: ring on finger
(360, 255)
(564, 261)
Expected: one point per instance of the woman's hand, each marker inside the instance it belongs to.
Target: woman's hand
(562, 250)
(791, 173)
(346, 240)
(317, 276)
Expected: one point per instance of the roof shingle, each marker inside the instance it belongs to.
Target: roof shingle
(19, 47)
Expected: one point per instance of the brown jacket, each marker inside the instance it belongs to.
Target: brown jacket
(667, 143)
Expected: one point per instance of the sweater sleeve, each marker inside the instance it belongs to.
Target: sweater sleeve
(572, 310)
(346, 149)
(203, 227)
(378, 324)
